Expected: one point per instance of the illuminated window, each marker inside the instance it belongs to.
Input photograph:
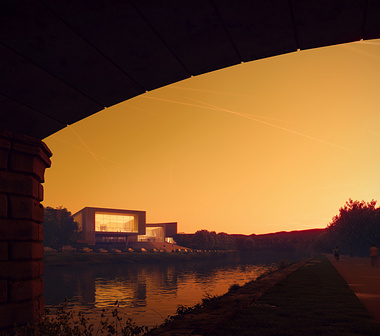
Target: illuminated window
(109, 222)
(110, 239)
(153, 234)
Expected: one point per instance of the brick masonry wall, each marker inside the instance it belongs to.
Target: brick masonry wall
(23, 161)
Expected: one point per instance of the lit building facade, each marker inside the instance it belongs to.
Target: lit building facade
(159, 232)
(107, 226)
(102, 226)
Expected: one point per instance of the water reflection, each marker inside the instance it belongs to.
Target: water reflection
(147, 293)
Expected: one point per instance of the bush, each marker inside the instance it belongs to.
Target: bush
(65, 322)
(234, 287)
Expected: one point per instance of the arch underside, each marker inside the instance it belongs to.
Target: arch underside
(62, 61)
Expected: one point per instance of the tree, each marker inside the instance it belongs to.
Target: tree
(249, 244)
(223, 241)
(59, 227)
(204, 240)
(356, 227)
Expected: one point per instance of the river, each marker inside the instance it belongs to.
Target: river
(148, 293)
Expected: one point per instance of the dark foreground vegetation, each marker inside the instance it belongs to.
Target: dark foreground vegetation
(65, 322)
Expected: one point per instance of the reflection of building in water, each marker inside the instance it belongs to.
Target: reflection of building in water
(99, 286)
(132, 287)
(128, 294)
(99, 226)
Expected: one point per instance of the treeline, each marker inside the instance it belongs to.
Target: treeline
(206, 240)
(295, 241)
(353, 230)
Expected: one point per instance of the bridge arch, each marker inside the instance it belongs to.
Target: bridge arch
(62, 61)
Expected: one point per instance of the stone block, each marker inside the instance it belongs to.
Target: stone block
(19, 184)
(3, 251)
(17, 313)
(25, 250)
(3, 291)
(30, 156)
(21, 230)
(22, 207)
(21, 270)
(39, 304)
(5, 145)
(25, 290)
(3, 206)
(40, 192)
(40, 232)
(27, 164)
(3, 158)
(6, 135)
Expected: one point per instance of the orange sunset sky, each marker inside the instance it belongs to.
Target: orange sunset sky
(277, 144)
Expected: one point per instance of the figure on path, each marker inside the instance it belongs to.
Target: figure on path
(336, 253)
(373, 252)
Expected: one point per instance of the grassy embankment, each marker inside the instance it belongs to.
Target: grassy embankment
(310, 300)
(93, 258)
(314, 300)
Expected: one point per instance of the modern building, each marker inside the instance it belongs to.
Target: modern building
(102, 226)
(159, 233)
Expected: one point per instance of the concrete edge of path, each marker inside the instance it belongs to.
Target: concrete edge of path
(363, 279)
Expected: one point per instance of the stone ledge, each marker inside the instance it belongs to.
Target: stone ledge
(20, 230)
(21, 270)
(24, 207)
(20, 184)
(25, 290)
(25, 250)
(20, 313)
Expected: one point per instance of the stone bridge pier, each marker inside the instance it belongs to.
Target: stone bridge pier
(23, 161)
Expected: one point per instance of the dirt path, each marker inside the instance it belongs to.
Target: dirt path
(363, 279)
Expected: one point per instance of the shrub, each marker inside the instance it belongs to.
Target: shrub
(65, 322)
(234, 287)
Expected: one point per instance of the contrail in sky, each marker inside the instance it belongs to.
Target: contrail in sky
(83, 148)
(208, 91)
(279, 127)
(361, 52)
(86, 147)
(96, 157)
(216, 108)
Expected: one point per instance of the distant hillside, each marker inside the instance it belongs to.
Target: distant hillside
(284, 241)
(297, 234)
(292, 241)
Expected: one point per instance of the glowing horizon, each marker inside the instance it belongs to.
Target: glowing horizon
(277, 144)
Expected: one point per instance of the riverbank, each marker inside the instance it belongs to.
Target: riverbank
(306, 298)
(94, 258)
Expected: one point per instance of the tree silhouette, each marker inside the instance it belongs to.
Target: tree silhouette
(355, 228)
(59, 227)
